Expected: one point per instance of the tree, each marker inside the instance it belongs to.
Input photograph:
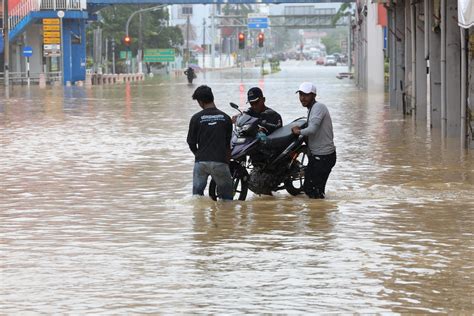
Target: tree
(113, 19)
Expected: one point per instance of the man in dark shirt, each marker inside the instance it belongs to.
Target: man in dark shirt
(270, 120)
(209, 135)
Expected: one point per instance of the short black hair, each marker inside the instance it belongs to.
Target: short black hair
(204, 94)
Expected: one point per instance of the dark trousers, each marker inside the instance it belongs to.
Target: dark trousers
(317, 174)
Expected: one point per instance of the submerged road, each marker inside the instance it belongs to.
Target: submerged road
(96, 212)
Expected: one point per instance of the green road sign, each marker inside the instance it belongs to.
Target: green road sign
(123, 54)
(158, 55)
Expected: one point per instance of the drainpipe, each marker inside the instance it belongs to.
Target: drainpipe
(443, 69)
(426, 12)
(463, 88)
(6, 44)
(413, 55)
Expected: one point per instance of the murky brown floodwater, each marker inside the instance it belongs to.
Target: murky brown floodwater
(96, 214)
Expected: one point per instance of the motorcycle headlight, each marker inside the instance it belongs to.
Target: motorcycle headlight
(240, 140)
(246, 127)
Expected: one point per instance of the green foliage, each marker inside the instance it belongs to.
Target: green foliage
(113, 19)
(344, 10)
(333, 40)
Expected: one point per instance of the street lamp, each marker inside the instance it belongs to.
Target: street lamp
(128, 22)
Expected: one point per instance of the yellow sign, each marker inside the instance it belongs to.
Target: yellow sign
(51, 28)
(52, 40)
(50, 21)
(52, 34)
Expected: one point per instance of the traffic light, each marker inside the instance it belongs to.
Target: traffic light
(241, 40)
(261, 38)
(127, 40)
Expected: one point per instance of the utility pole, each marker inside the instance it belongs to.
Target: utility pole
(113, 55)
(203, 43)
(106, 55)
(213, 36)
(140, 44)
(187, 40)
(6, 44)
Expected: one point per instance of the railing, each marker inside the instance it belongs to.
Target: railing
(22, 77)
(63, 5)
(20, 11)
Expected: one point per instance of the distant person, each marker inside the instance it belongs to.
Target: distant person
(209, 135)
(270, 120)
(190, 74)
(319, 133)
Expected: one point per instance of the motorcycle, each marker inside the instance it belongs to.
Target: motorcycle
(263, 164)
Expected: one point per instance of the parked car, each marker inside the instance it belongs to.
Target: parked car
(330, 61)
(320, 61)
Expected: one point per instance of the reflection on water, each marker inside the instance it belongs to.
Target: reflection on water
(96, 214)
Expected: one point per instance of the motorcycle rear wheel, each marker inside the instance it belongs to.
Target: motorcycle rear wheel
(240, 178)
(294, 183)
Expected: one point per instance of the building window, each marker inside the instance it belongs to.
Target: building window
(186, 10)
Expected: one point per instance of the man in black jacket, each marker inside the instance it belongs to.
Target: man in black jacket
(270, 120)
(208, 138)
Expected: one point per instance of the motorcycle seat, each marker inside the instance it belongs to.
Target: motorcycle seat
(283, 136)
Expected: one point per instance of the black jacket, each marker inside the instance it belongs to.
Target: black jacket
(269, 119)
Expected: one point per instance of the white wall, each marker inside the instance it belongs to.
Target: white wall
(375, 56)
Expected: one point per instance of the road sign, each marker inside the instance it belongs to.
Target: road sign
(50, 21)
(51, 40)
(125, 54)
(27, 51)
(51, 32)
(257, 21)
(51, 50)
(159, 55)
(51, 27)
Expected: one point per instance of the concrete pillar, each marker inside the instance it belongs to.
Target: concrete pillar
(400, 52)
(391, 46)
(375, 53)
(453, 73)
(435, 65)
(408, 71)
(421, 111)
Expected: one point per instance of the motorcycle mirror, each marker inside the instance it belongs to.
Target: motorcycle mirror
(235, 106)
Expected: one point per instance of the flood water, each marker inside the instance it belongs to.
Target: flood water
(97, 217)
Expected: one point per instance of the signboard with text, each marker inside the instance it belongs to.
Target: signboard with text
(51, 37)
(159, 55)
(257, 21)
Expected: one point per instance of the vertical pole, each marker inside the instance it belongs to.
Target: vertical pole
(140, 44)
(413, 56)
(28, 70)
(63, 78)
(349, 44)
(463, 88)
(6, 44)
(187, 41)
(113, 55)
(203, 43)
(213, 36)
(443, 70)
(106, 55)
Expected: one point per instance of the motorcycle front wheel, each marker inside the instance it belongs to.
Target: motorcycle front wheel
(240, 178)
(294, 182)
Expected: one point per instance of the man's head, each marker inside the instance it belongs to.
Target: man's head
(203, 95)
(256, 99)
(307, 93)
